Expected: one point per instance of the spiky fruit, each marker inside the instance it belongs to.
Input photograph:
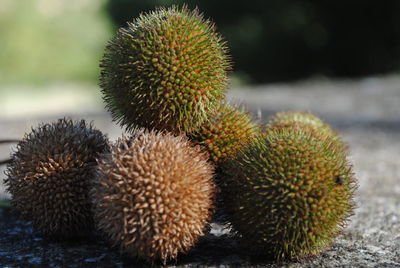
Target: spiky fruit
(165, 71)
(50, 173)
(225, 133)
(154, 194)
(304, 119)
(289, 193)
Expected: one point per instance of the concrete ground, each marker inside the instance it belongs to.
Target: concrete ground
(367, 114)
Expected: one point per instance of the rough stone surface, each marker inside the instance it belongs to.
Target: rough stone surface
(366, 112)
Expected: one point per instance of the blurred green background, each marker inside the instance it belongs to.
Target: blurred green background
(273, 40)
(51, 40)
(50, 49)
(49, 56)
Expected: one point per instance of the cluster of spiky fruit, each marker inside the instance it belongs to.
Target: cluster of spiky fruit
(286, 190)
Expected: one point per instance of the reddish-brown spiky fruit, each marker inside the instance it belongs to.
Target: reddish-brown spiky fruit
(289, 193)
(153, 196)
(225, 133)
(50, 173)
(165, 70)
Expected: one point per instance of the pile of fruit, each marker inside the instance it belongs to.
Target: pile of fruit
(286, 188)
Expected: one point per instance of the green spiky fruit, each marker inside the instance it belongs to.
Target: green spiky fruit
(50, 174)
(165, 71)
(154, 194)
(225, 133)
(289, 193)
(304, 119)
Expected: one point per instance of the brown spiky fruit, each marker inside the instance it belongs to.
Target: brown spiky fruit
(225, 133)
(289, 193)
(49, 176)
(164, 71)
(154, 195)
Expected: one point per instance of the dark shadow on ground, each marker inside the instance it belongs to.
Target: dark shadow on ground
(21, 246)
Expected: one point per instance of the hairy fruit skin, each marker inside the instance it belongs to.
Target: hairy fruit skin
(164, 71)
(153, 196)
(289, 193)
(49, 176)
(227, 131)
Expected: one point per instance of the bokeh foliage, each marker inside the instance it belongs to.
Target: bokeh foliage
(277, 40)
(51, 40)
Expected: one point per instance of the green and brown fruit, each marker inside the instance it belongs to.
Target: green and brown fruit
(289, 193)
(165, 70)
(50, 174)
(227, 131)
(302, 119)
(154, 195)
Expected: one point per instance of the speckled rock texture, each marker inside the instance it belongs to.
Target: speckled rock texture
(367, 114)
